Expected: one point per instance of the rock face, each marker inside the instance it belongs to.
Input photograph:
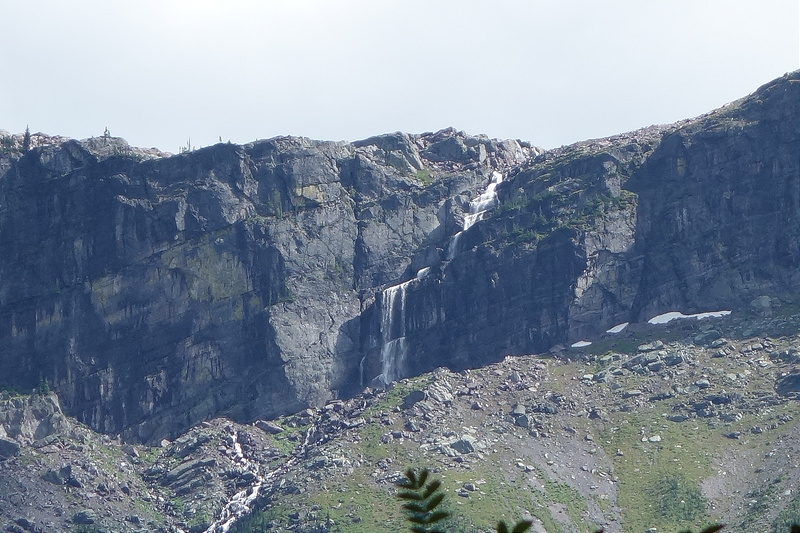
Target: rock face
(153, 292)
(698, 216)
(30, 418)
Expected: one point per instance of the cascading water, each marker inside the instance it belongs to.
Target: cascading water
(477, 211)
(242, 502)
(393, 332)
(394, 346)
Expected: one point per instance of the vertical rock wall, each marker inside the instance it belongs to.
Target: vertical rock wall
(152, 292)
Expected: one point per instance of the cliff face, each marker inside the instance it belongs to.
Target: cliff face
(697, 216)
(153, 292)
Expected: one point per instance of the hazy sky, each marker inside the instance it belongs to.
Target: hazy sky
(550, 72)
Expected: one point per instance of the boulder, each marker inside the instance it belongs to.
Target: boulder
(8, 448)
(269, 427)
(413, 398)
(522, 421)
(60, 476)
(789, 386)
(762, 306)
(465, 444)
(85, 517)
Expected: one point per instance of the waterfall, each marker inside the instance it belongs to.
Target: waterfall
(472, 218)
(242, 502)
(393, 333)
(394, 346)
(488, 199)
(477, 211)
(361, 372)
(452, 248)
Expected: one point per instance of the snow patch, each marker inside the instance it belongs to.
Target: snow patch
(674, 315)
(618, 328)
(580, 344)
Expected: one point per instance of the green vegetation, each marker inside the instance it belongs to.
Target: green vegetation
(422, 502)
(789, 517)
(530, 218)
(261, 521)
(44, 387)
(676, 499)
(567, 496)
(656, 476)
(26, 140)
(287, 298)
(289, 440)
(10, 392)
(425, 176)
(424, 498)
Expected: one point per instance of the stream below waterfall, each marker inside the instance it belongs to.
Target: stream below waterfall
(242, 502)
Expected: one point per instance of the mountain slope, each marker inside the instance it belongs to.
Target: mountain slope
(153, 292)
(616, 435)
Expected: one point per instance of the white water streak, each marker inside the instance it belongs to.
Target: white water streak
(478, 210)
(393, 332)
(242, 502)
(452, 248)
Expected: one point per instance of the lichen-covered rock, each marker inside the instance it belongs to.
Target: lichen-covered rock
(86, 516)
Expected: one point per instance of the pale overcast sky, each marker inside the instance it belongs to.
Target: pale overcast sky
(549, 72)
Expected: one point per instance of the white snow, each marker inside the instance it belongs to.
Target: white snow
(618, 328)
(674, 315)
(423, 272)
(581, 344)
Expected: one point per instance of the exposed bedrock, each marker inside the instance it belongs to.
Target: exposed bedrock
(152, 291)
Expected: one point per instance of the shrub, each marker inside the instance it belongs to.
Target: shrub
(424, 500)
(676, 499)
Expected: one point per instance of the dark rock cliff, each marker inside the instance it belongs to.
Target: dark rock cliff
(702, 215)
(154, 291)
